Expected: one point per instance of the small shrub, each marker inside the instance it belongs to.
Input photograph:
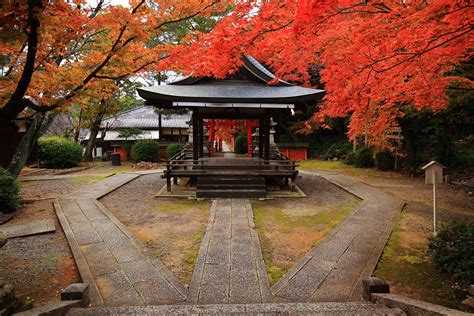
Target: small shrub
(363, 158)
(338, 150)
(452, 251)
(58, 152)
(384, 160)
(240, 146)
(349, 160)
(144, 150)
(173, 150)
(9, 191)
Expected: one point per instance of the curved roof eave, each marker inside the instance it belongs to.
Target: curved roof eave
(209, 93)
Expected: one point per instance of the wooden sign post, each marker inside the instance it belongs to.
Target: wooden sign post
(434, 175)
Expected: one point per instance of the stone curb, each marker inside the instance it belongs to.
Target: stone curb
(412, 306)
(82, 266)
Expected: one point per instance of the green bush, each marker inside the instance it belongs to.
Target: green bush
(173, 150)
(58, 152)
(349, 160)
(144, 150)
(363, 158)
(452, 251)
(240, 146)
(384, 160)
(338, 150)
(9, 191)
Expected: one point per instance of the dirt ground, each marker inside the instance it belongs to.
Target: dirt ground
(39, 266)
(289, 228)
(172, 228)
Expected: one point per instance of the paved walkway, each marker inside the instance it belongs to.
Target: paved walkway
(230, 267)
(333, 270)
(116, 264)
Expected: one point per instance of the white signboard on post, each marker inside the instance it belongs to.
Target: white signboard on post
(434, 176)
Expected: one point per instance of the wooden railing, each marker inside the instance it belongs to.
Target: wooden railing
(183, 165)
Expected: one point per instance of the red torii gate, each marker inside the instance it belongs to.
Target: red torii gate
(214, 124)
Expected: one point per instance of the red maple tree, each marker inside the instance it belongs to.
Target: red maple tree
(375, 58)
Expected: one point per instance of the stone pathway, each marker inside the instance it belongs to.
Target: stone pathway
(116, 264)
(334, 269)
(230, 267)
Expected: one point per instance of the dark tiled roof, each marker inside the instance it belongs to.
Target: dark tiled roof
(145, 117)
(230, 91)
(205, 89)
(61, 123)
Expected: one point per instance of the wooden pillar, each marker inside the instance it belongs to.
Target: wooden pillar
(201, 138)
(260, 139)
(195, 137)
(266, 140)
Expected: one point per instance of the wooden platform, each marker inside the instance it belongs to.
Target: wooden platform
(227, 177)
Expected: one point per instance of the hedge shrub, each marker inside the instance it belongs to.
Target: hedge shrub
(240, 145)
(452, 251)
(59, 152)
(144, 150)
(338, 150)
(384, 160)
(9, 192)
(364, 158)
(173, 150)
(349, 160)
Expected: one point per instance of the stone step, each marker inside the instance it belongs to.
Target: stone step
(230, 180)
(234, 193)
(348, 308)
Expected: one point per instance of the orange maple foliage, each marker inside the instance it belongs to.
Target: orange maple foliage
(84, 50)
(374, 57)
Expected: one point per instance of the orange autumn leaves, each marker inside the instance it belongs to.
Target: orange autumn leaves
(83, 50)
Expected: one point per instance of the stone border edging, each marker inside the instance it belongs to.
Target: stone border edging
(265, 290)
(82, 266)
(412, 306)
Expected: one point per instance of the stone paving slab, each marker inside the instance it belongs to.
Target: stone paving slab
(109, 258)
(28, 229)
(333, 270)
(229, 267)
(348, 308)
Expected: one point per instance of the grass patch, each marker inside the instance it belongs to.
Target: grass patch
(341, 167)
(47, 261)
(190, 254)
(274, 225)
(409, 267)
(85, 179)
(181, 206)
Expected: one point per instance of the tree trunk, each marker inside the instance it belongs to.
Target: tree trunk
(41, 122)
(409, 144)
(78, 127)
(94, 130)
